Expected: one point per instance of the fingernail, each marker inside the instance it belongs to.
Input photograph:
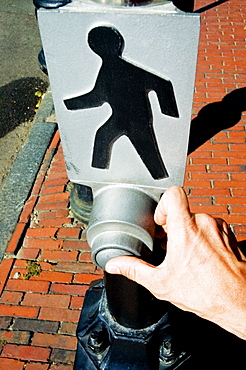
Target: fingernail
(112, 269)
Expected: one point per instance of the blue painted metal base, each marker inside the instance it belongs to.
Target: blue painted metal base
(105, 344)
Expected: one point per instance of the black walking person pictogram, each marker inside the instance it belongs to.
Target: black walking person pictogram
(125, 87)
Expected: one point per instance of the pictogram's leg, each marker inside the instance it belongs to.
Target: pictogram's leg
(106, 135)
(146, 146)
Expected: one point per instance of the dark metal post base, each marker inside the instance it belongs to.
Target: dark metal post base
(105, 344)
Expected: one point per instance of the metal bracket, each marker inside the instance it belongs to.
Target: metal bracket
(50, 4)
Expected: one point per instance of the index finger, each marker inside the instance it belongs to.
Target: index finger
(173, 211)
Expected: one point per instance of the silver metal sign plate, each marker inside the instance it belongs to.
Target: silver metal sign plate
(158, 39)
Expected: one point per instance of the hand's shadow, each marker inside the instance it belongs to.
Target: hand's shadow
(215, 117)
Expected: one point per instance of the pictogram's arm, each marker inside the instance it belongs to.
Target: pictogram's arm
(91, 99)
(166, 97)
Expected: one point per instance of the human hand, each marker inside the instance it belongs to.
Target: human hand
(203, 272)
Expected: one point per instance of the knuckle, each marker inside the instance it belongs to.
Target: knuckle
(206, 220)
(131, 272)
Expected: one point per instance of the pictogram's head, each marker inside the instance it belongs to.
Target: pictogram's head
(106, 41)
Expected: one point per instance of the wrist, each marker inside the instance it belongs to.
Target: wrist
(235, 325)
(232, 308)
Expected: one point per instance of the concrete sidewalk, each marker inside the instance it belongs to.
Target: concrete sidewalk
(47, 267)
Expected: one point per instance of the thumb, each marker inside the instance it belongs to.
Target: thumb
(134, 269)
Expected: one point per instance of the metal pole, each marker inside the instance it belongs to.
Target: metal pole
(122, 79)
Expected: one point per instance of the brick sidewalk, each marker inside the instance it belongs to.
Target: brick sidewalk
(39, 314)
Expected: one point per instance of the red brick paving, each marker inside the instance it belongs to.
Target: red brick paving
(38, 317)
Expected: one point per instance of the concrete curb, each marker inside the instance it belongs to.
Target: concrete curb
(19, 182)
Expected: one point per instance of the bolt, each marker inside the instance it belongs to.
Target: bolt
(98, 340)
(167, 353)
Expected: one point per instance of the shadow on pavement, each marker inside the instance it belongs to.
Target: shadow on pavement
(217, 116)
(18, 102)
